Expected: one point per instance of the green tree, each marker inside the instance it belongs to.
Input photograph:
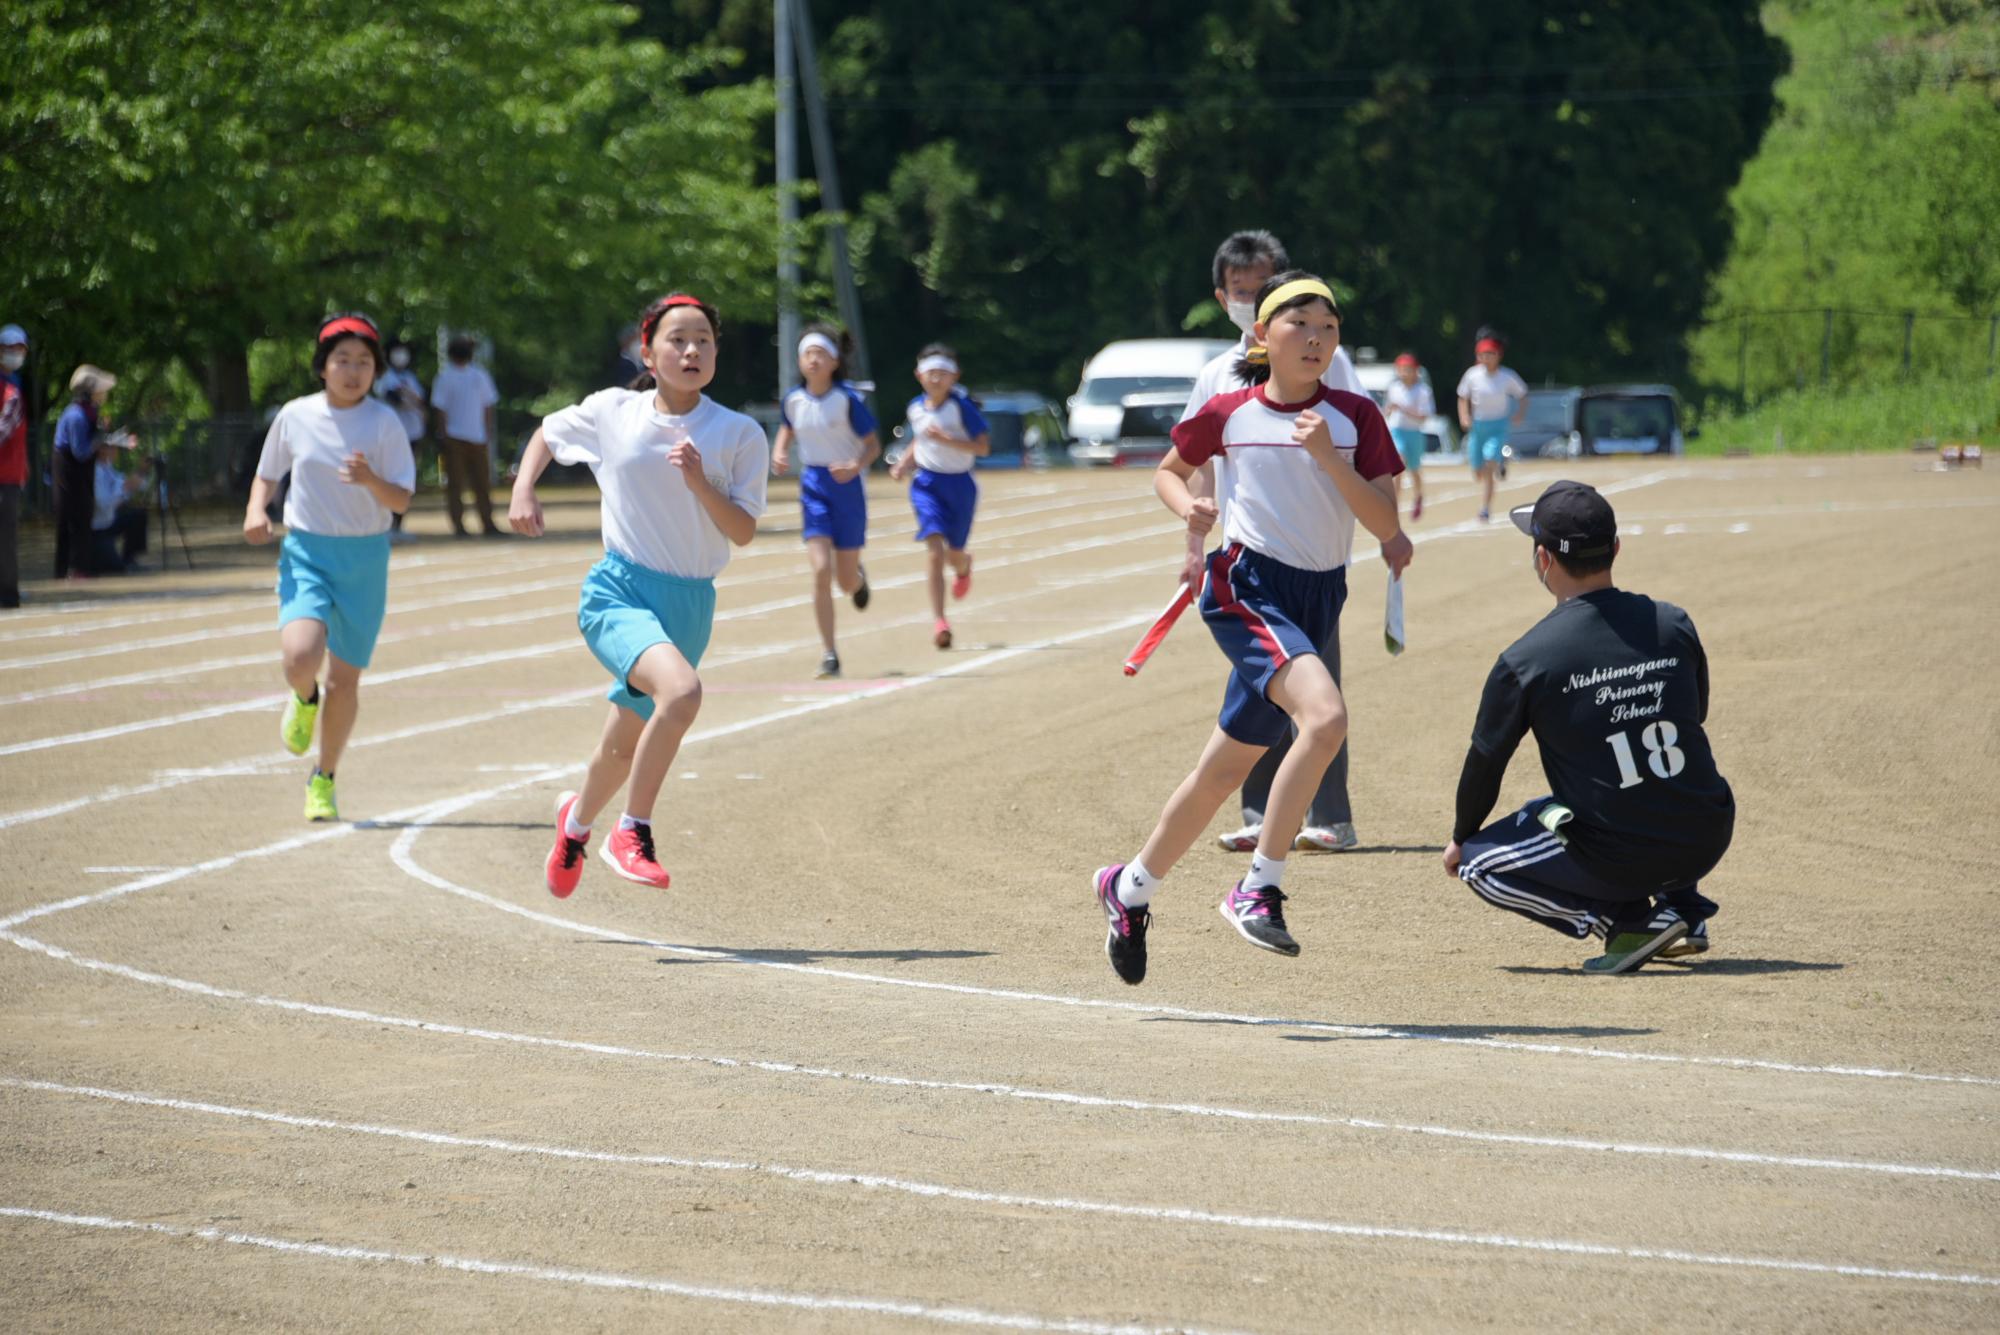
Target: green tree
(182, 179)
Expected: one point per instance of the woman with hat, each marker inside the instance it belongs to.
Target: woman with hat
(74, 469)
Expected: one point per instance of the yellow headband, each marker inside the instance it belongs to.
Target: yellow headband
(1298, 287)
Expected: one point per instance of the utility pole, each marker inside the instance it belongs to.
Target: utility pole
(788, 193)
(829, 186)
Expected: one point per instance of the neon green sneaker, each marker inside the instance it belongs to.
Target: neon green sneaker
(319, 798)
(296, 727)
(1628, 948)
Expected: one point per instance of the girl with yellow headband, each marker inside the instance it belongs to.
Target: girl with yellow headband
(1297, 465)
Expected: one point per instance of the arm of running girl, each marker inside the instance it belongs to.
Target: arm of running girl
(781, 451)
(1194, 564)
(524, 508)
(1396, 551)
(871, 448)
(737, 524)
(1376, 511)
(257, 529)
(1170, 484)
(355, 471)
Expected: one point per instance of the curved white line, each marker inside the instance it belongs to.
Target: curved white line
(598, 1279)
(939, 1191)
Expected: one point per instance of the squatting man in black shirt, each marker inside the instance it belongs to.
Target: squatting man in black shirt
(1615, 688)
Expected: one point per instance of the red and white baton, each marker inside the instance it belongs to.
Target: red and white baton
(1150, 641)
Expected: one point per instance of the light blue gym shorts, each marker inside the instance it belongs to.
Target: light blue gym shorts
(343, 582)
(626, 608)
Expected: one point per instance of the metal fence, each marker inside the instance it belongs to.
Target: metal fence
(1756, 353)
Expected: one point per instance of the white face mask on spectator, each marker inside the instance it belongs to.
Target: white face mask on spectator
(399, 358)
(12, 360)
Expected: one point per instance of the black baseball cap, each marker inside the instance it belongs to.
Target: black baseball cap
(1570, 519)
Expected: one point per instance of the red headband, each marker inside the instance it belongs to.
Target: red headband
(666, 304)
(1407, 359)
(348, 324)
(1489, 345)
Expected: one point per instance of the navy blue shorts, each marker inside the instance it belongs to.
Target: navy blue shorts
(944, 503)
(834, 510)
(1264, 614)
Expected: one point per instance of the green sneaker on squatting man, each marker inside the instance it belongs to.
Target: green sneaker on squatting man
(319, 798)
(1630, 945)
(295, 729)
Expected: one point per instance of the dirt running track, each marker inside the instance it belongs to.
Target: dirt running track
(865, 1067)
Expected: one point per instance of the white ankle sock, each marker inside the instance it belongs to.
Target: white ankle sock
(628, 821)
(1136, 886)
(1264, 872)
(572, 827)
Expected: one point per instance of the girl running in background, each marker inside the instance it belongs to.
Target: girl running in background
(1490, 398)
(351, 471)
(835, 433)
(947, 433)
(1296, 465)
(1410, 406)
(681, 478)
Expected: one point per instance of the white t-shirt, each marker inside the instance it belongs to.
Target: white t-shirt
(648, 513)
(463, 394)
(958, 417)
(1219, 376)
(1276, 498)
(826, 428)
(311, 439)
(1491, 392)
(389, 387)
(1410, 406)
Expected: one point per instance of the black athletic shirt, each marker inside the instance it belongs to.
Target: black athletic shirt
(1615, 687)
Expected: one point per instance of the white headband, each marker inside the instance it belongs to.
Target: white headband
(937, 362)
(822, 342)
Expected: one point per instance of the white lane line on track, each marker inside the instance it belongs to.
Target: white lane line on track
(580, 558)
(598, 1279)
(939, 1191)
(566, 644)
(266, 762)
(400, 853)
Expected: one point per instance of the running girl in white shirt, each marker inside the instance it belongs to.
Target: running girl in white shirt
(1490, 399)
(682, 478)
(947, 432)
(351, 471)
(1296, 465)
(829, 421)
(1410, 405)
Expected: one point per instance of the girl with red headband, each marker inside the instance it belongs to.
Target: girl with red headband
(352, 470)
(681, 479)
(1490, 399)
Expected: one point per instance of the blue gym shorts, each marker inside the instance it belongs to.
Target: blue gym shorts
(1483, 442)
(1264, 614)
(944, 503)
(1409, 444)
(626, 608)
(834, 510)
(342, 582)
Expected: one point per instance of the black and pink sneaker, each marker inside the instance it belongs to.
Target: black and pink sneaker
(1259, 917)
(1125, 943)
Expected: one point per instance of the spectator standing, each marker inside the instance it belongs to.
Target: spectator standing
(13, 459)
(74, 469)
(401, 390)
(462, 401)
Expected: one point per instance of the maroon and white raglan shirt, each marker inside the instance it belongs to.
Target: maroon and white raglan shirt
(1275, 498)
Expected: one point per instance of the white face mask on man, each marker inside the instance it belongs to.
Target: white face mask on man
(399, 358)
(1243, 315)
(12, 360)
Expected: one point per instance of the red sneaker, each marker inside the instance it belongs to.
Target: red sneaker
(941, 634)
(630, 854)
(963, 584)
(565, 865)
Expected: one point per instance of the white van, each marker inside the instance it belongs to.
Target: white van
(1134, 366)
(1440, 431)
